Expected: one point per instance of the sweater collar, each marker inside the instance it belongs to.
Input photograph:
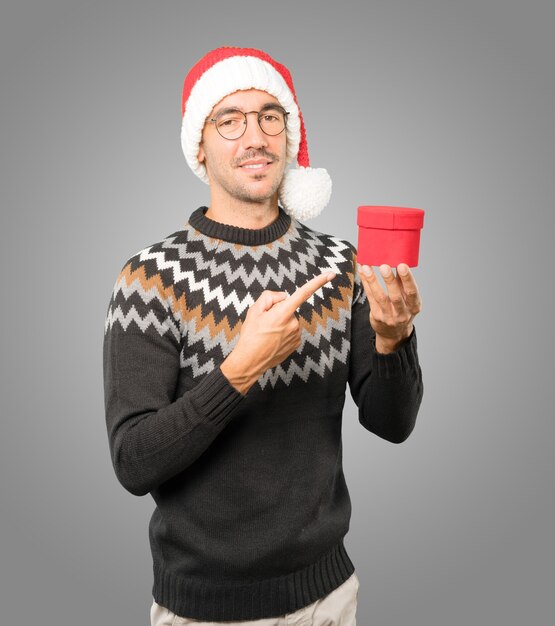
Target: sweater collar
(234, 234)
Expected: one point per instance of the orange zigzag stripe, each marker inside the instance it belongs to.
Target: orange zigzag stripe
(178, 305)
(321, 319)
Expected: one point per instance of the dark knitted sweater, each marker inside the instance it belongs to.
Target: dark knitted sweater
(251, 501)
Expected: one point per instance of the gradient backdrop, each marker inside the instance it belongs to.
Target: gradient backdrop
(442, 105)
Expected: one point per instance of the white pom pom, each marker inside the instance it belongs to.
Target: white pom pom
(305, 191)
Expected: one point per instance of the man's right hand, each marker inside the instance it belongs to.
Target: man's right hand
(269, 334)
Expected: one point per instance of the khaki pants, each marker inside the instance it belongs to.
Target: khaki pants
(338, 608)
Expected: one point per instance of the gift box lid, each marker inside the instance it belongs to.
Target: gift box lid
(390, 217)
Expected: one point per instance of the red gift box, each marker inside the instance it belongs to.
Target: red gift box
(389, 234)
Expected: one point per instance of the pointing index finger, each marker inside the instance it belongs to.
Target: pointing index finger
(303, 293)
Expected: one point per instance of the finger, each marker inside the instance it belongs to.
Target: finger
(267, 299)
(393, 286)
(373, 289)
(374, 307)
(410, 288)
(303, 293)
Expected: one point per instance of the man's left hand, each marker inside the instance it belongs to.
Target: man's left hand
(391, 313)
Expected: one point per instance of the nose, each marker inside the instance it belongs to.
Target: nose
(253, 136)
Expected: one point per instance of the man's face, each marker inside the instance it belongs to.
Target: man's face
(250, 168)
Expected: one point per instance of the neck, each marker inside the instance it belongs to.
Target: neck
(254, 215)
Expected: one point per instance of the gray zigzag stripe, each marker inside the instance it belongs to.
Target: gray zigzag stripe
(192, 362)
(117, 315)
(272, 376)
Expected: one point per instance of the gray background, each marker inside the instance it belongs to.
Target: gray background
(443, 105)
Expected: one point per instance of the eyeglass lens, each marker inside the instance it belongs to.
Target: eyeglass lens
(232, 124)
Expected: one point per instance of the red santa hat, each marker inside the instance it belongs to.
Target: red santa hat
(304, 191)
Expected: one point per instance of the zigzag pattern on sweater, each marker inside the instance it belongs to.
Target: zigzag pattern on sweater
(195, 290)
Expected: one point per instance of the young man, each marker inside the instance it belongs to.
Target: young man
(228, 349)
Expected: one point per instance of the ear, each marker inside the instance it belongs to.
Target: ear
(201, 156)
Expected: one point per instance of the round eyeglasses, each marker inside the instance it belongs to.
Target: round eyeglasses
(232, 123)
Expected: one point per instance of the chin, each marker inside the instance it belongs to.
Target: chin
(255, 199)
(258, 195)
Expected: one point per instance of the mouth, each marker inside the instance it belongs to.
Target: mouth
(259, 164)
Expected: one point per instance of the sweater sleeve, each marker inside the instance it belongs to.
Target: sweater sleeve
(387, 388)
(154, 435)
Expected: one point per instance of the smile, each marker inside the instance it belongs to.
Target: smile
(256, 164)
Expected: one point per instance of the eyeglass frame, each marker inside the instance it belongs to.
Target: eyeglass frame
(258, 115)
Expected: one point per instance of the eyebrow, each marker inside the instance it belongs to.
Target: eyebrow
(266, 107)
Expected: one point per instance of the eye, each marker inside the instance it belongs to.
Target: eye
(230, 121)
(271, 116)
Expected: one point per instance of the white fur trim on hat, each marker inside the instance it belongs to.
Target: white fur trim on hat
(305, 191)
(223, 78)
